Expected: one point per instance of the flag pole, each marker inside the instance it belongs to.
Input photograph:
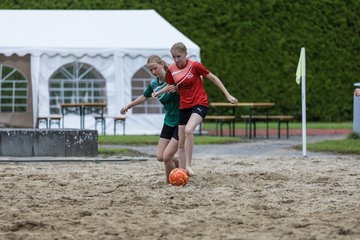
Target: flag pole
(303, 98)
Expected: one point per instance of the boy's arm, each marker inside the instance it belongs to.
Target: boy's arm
(221, 86)
(137, 101)
(167, 88)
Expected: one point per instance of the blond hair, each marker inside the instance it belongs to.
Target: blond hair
(158, 60)
(179, 47)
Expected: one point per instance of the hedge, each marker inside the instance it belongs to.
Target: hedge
(254, 46)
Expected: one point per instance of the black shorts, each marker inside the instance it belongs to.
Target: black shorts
(186, 113)
(168, 132)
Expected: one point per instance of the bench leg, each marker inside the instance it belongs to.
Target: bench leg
(233, 124)
(114, 127)
(279, 129)
(104, 126)
(123, 125)
(39, 120)
(246, 128)
(287, 129)
(220, 128)
(250, 128)
(102, 122)
(54, 121)
(267, 128)
(230, 127)
(254, 129)
(222, 123)
(217, 127)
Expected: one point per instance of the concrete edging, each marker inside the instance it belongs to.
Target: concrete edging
(48, 142)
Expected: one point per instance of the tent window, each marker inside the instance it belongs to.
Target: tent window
(13, 90)
(139, 84)
(76, 83)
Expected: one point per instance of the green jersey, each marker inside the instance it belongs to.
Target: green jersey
(170, 101)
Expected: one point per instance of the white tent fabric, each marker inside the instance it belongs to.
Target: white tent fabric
(116, 42)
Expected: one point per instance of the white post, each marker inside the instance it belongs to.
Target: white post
(303, 96)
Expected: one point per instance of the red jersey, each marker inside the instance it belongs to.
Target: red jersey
(189, 83)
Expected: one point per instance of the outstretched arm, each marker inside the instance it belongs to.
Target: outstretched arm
(220, 85)
(137, 101)
(167, 88)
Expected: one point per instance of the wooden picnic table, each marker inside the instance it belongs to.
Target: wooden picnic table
(220, 106)
(83, 109)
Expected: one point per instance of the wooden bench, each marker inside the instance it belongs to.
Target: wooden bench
(119, 120)
(220, 121)
(48, 120)
(116, 120)
(266, 118)
(102, 121)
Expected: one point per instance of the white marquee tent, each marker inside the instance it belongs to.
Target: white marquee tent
(116, 42)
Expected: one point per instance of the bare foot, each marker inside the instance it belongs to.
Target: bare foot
(190, 171)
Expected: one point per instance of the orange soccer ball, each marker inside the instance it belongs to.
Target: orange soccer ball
(178, 177)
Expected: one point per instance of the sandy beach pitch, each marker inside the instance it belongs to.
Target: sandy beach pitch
(235, 197)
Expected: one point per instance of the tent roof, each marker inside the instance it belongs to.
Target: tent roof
(83, 31)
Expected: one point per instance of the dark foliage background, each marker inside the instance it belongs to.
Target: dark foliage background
(254, 46)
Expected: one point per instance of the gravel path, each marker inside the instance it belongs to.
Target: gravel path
(258, 148)
(250, 148)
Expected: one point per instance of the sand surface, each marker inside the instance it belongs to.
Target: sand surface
(258, 196)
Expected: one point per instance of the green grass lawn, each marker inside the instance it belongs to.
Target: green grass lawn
(292, 125)
(322, 125)
(351, 145)
(154, 139)
(149, 140)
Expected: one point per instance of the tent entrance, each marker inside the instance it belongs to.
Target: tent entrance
(16, 108)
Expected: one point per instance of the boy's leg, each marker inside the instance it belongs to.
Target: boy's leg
(193, 122)
(168, 157)
(181, 147)
(163, 142)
